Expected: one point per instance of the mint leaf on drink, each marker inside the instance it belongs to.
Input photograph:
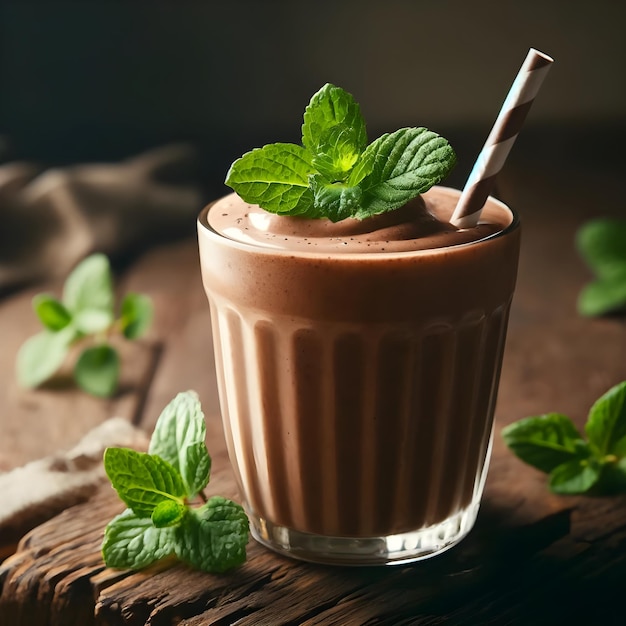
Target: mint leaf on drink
(405, 164)
(552, 444)
(338, 201)
(160, 488)
(337, 153)
(275, 177)
(85, 315)
(602, 244)
(330, 108)
(335, 174)
(333, 132)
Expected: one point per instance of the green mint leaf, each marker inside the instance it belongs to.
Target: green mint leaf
(42, 355)
(337, 153)
(90, 321)
(574, 477)
(168, 513)
(195, 464)
(362, 168)
(405, 163)
(276, 177)
(179, 438)
(612, 479)
(552, 444)
(333, 107)
(335, 201)
(334, 175)
(606, 425)
(51, 312)
(603, 296)
(97, 370)
(89, 285)
(545, 442)
(619, 448)
(214, 537)
(132, 542)
(86, 309)
(142, 480)
(159, 523)
(136, 315)
(602, 243)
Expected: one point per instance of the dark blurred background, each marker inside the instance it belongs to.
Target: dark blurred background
(98, 80)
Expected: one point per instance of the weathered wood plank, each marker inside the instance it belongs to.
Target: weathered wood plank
(59, 563)
(575, 580)
(61, 559)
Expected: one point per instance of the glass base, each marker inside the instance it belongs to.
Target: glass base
(388, 550)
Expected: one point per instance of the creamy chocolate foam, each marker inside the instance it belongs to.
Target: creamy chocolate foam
(419, 225)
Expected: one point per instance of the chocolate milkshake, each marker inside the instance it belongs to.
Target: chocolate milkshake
(358, 366)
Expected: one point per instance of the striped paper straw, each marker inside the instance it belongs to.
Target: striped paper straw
(501, 138)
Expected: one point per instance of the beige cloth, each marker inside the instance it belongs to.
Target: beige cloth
(41, 489)
(51, 219)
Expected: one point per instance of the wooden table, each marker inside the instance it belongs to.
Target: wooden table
(533, 558)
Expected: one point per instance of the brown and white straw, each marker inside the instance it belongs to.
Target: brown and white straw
(501, 138)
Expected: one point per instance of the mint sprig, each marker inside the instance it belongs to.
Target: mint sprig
(179, 440)
(143, 481)
(85, 314)
(160, 488)
(602, 244)
(552, 444)
(334, 173)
